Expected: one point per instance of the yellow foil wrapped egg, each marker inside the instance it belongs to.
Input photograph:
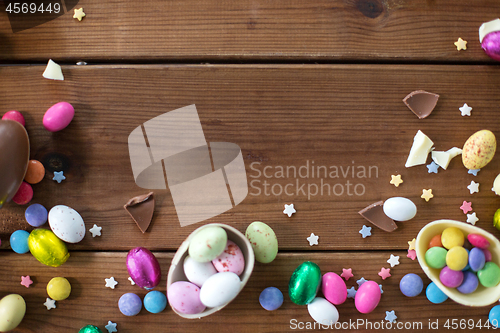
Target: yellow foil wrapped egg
(47, 248)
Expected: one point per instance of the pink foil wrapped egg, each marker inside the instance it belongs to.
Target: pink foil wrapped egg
(143, 268)
(491, 45)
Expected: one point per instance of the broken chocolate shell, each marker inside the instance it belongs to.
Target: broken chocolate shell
(421, 102)
(374, 213)
(141, 210)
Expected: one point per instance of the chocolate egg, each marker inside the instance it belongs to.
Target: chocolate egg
(304, 283)
(14, 157)
(491, 45)
(47, 248)
(143, 268)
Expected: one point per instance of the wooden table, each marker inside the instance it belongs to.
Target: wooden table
(293, 83)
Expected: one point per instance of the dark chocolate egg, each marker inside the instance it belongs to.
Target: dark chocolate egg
(14, 157)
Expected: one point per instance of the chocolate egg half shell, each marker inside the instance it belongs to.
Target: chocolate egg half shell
(143, 268)
(14, 157)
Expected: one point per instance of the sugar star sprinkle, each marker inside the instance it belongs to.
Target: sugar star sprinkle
(384, 273)
(381, 290)
(366, 231)
(313, 239)
(346, 273)
(427, 194)
(473, 172)
(461, 44)
(361, 281)
(50, 304)
(58, 176)
(111, 283)
(432, 168)
(351, 292)
(411, 244)
(473, 187)
(289, 210)
(79, 14)
(472, 218)
(95, 230)
(466, 207)
(26, 281)
(465, 110)
(393, 260)
(111, 327)
(412, 254)
(131, 281)
(396, 180)
(390, 316)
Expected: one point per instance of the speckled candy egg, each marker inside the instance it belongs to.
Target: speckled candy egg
(220, 289)
(263, 240)
(198, 272)
(66, 223)
(479, 149)
(367, 297)
(143, 268)
(12, 310)
(399, 209)
(207, 244)
(47, 248)
(230, 260)
(322, 311)
(334, 288)
(184, 297)
(304, 283)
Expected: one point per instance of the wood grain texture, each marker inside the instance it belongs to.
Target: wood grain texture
(91, 302)
(280, 116)
(210, 30)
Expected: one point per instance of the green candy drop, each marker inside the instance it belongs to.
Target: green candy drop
(435, 257)
(90, 329)
(489, 276)
(304, 283)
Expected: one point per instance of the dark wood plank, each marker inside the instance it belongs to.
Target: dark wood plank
(91, 303)
(319, 30)
(279, 116)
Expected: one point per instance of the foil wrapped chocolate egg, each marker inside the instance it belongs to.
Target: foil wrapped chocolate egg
(14, 157)
(489, 37)
(143, 268)
(47, 248)
(304, 283)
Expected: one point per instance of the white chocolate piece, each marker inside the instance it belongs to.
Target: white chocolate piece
(496, 185)
(488, 27)
(53, 71)
(454, 152)
(419, 150)
(441, 158)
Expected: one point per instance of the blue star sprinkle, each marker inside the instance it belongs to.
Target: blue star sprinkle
(473, 172)
(111, 327)
(361, 281)
(59, 176)
(366, 231)
(390, 316)
(381, 290)
(351, 292)
(433, 167)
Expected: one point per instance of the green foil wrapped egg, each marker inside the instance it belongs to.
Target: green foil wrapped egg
(304, 283)
(264, 241)
(207, 244)
(47, 248)
(90, 329)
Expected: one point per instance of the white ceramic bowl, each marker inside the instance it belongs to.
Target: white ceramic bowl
(176, 271)
(482, 296)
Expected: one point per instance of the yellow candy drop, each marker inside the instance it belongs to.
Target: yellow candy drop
(58, 288)
(457, 258)
(47, 248)
(452, 237)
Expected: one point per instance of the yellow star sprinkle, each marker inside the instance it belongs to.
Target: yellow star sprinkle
(461, 44)
(427, 194)
(79, 14)
(396, 180)
(411, 244)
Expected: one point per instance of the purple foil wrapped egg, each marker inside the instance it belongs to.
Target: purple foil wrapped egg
(143, 268)
(491, 45)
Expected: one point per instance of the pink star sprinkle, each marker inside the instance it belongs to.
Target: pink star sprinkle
(412, 254)
(346, 273)
(384, 273)
(466, 207)
(26, 281)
